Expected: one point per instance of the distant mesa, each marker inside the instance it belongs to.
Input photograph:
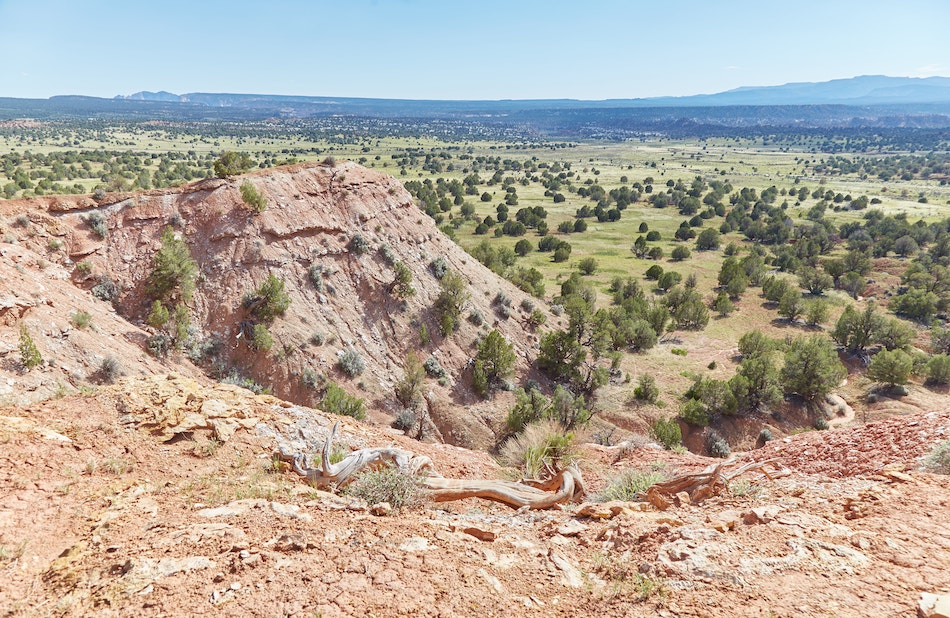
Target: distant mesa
(862, 90)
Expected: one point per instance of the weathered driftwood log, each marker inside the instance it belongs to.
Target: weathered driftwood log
(710, 482)
(566, 486)
(569, 488)
(345, 471)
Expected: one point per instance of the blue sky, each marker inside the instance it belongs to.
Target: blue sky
(455, 49)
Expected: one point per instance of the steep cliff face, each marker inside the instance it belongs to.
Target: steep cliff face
(313, 214)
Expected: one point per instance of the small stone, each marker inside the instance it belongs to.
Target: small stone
(235, 586)
(414, 544)
(571, 528)
(288, 543)
(726, 520)
(933, 605)
(381, 509)
(760, 514)
(683, 498)
(480, 534)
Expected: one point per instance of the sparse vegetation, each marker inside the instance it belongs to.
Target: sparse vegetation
(261, 338)
(338, 401)
(387, 484)
(938, 460)
(232, 163)
(81, 319)
(29, 353)
(494, 362)
(110, 370)
(630, 484)
(667, 432)
(358, 244)
(450, 302)
(252, 197)
(351, 363)
(269, 300)
(408, 389)
(433, 369)
(646, 389)
(174, 269)
(540, 450)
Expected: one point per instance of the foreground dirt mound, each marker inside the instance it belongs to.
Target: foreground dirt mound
(135, 500)
(331, 234)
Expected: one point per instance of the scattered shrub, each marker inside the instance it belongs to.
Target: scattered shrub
(439, 267)
(387, 484)
(449, 303)
(316, 276)
(338, 401)
(358, 244)
(106, 289)
(81, 319)
(405, 420)
(821, 423)
(646, 389)
(694, 413)
(29, 353)
(537, 318)
(587, 266)
(269, 300)
(630, 485)
(765, 435)
(261, 340)
(717, 445)
(83, 269)
(938, 460)
(158, 316)
(231, 163)
(351, 363)
(252, 196)
(389, 256)
(476, 318)
(494, 362)
(159, 344)
(174, 268)
(311, 379)
(433, 369)
(408, 389)
(110, 370)
(667, 432)
(237, 379)
(938, 369)
(541, 449)
(892, 367)
(98, 223)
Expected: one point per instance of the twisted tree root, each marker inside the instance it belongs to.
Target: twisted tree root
(710, 482)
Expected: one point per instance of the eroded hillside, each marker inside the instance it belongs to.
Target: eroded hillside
(331, 234)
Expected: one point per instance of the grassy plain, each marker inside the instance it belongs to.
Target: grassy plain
(742, 163)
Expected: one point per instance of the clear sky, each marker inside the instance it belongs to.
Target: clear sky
(460, 49)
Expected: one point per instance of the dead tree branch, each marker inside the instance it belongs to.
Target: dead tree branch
(566, 486)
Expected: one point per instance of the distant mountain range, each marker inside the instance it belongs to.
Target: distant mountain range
(874, 103)
(862, 91)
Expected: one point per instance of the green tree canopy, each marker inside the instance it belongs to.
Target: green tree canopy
(174, 269)
(494, 362)
(812, 368)
(232, 163)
